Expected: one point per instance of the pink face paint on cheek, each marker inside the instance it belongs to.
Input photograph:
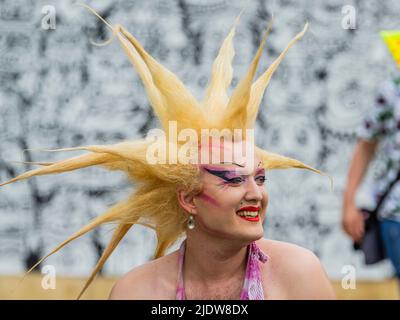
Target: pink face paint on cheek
(209, 199)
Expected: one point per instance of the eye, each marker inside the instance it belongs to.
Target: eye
(235, 180)
(261, 179)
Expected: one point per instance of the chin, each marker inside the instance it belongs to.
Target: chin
(252, 235)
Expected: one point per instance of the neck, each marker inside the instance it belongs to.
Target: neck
(209, 260)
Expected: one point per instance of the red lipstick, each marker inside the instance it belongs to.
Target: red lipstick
(249, 208)
(252, 209)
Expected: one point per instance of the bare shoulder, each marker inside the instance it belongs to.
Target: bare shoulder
(153, 280)
(299, 271)
(279, 250)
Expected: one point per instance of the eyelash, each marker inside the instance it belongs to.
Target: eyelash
(241, 180)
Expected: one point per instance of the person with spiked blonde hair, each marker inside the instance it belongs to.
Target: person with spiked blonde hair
(218, 205)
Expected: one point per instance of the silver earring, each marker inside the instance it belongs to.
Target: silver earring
(190, 223)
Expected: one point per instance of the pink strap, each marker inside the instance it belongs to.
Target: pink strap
(252, 288)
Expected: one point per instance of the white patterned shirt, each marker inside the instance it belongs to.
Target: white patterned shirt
(382, 123)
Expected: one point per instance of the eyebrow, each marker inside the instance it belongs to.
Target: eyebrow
(240, 165)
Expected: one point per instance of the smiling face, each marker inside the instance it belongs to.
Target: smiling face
(233, 201)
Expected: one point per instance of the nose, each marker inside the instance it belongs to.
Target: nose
(253, 191)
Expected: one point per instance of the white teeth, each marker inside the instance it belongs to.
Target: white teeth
(248, 213)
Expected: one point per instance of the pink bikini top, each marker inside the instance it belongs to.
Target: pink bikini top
(252, 287)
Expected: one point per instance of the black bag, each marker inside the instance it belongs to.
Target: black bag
(372, 244)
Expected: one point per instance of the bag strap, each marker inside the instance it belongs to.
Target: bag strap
(383, 195)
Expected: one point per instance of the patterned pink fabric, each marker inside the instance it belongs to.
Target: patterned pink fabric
(252, 288)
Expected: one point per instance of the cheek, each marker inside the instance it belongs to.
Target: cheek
(208, 199)
(212, 200)
(265, 198)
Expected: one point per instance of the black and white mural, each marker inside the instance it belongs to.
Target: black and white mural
(58, 90)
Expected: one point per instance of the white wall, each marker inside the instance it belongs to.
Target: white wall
(58, 90)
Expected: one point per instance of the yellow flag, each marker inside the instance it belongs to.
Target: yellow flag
(392, 40)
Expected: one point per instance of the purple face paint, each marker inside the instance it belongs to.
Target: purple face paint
(259, 171)
(233, 176)
(209, 199)
(226, 175)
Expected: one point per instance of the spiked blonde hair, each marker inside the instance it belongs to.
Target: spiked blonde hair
(154, 203)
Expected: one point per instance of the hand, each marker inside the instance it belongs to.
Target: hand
(353, 222)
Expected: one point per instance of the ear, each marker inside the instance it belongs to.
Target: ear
(186, 201)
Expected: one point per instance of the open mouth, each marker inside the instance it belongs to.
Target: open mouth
(249, 214)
